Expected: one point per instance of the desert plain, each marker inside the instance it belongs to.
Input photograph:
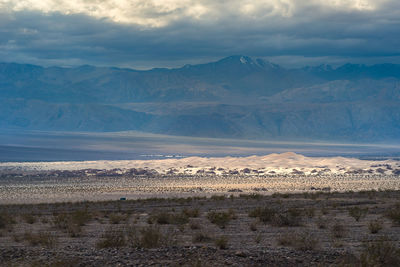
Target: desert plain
(275, 210)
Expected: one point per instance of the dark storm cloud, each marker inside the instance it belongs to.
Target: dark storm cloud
(312, 31)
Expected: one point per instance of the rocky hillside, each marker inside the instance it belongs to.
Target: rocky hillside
(236, 97)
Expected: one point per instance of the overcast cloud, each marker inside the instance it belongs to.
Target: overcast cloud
(169, 33)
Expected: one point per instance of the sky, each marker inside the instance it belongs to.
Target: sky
(144, 34)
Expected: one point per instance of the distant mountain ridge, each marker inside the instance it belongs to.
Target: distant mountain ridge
(237, 96)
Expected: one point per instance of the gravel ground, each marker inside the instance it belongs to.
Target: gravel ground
(309, 229)
(41, 188)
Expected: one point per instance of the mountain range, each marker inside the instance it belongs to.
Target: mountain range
(235, 97)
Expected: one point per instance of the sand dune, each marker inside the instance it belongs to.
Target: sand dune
(36, 182)
(284, 163)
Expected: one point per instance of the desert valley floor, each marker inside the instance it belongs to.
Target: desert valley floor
(37, 182)
(275, 210)
(308, 229)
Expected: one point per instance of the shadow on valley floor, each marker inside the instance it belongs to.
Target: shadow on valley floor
(59, 146)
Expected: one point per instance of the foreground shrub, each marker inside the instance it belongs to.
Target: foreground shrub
(194, 225)
(290, 217)
(63, 262)
(322, 222)
(169, 218)
(265, 215)
(72, 222)
(150, 237)
(81, 217)
(44, 239)
(179, 219)
(191, 213)
(63, 222)
(116, 218)
(306, 241)
(253, 226)
(6, 220)
(251, 196)
(394, 214)
(221, 242)
(29, 218)
(375, 226)
(258, 238)
(286, 239)
(338, 230)
(218, 197)
(161, 218)
(324, 211)
(280, 195)
(221, 218)
(357, 213)
(311, 195)
(310, 212)
(380, 253)
(201, 238)
(299, 240)
(112, 238)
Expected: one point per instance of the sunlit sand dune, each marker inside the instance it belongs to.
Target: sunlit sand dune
(100, 180)
(285, 163)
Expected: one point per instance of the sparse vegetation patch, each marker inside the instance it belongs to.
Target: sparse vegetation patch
(179, 233)
(221, 218)
(289, 217)
(394, 214)
(112, 238)
(303, 240)
(45, 239)
(380, 253)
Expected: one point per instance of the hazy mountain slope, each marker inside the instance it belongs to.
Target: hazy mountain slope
(343, 91)
(39, 115)
(333, 121)
(355, 71)
(235, 97)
